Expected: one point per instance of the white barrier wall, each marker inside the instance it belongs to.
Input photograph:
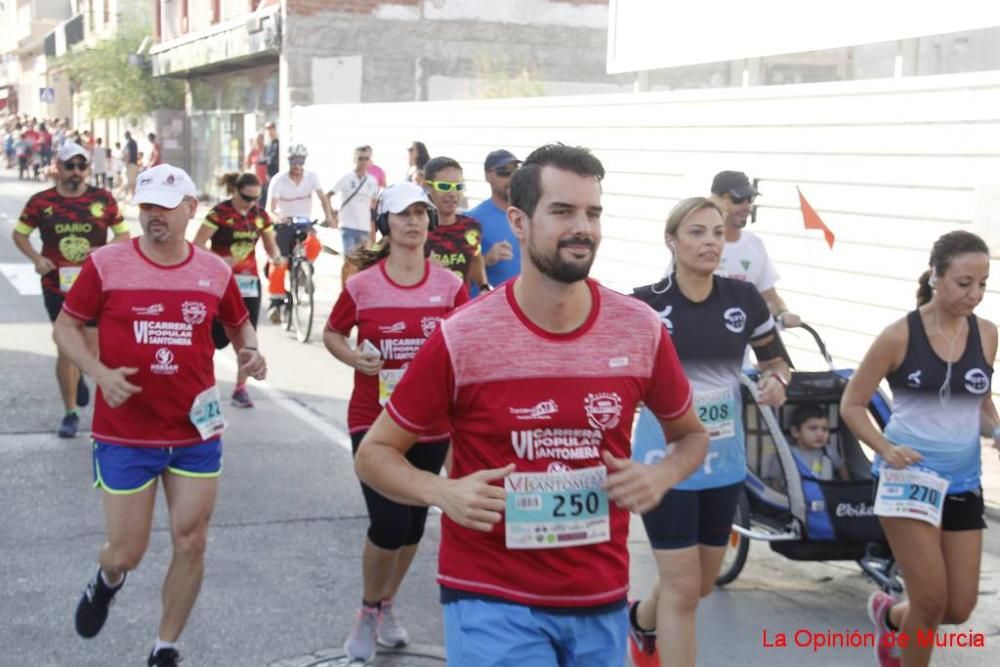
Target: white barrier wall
(889, 165)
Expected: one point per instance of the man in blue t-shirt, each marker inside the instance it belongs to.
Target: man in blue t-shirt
(500, 247)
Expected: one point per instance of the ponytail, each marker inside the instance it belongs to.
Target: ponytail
(364, 258)
(228, 181)
(924, 291)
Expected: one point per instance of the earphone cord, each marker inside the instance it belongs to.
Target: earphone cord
(944, 393)
(668, 281)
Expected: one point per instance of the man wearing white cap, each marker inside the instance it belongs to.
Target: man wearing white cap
(73, 219)
(157, 415)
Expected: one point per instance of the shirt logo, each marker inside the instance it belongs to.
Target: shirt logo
(97, 209)
(565, 444)
(204, 283)
(976, 381)
(913, 379)
(428, 325)
(736, 320)
(665, 318)
(746, 264)
(148, 311)
(542, 411)
(194, 312)
(618, 362)
(398, 327)
(436, 299)
(164, 364)
(603, 410)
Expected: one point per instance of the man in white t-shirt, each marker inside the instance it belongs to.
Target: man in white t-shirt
(744, 256)
(357, 191)
(290, 195)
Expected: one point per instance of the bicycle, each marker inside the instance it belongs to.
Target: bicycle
(297, 308)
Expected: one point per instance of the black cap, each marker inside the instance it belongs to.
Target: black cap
(735, 183)
(498, 159)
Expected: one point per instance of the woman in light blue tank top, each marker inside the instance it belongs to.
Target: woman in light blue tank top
(938, 363)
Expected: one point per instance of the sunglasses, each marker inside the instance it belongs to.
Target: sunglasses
(447, 186)
(503, 173)
(297, 161)
(69, 165)
(247, 196)
(742, 200)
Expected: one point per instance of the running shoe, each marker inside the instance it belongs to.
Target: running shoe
(165, 657)
(82, 393)
(641, 643)
(360, 645)
(879, 604)
(241, 399)
(274, 312)
(69, 426)
(92, 610)
(390, 632)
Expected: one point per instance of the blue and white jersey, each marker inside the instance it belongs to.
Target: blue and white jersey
(711, 337)
(945, 432)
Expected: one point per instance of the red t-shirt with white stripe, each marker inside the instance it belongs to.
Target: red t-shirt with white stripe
(397, 319)
(157, 319)
(515, 393)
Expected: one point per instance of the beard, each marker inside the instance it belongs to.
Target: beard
(73, 182)
(555, 267)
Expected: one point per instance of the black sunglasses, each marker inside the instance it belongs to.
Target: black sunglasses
(69, 165)
(503, 173)
(742, 200)
(245, 196)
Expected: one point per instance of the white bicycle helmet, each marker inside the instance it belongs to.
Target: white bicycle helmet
(298, 150)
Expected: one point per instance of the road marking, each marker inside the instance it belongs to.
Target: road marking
(23, 277)
(328, 431)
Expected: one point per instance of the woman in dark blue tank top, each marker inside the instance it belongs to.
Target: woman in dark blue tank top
(938, 362)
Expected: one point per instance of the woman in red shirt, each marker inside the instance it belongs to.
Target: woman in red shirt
(396, 301)
(233, 226)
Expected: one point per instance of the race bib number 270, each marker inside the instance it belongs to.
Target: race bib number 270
(911, 494)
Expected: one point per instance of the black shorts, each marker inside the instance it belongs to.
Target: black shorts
(219, 336)
(961, 511)
(54, 303)
(686, 518)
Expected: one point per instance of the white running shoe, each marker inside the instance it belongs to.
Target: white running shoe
(360, 645)
(390, 632)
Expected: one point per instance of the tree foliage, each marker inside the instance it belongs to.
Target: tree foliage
(114, 87)
(499, 75)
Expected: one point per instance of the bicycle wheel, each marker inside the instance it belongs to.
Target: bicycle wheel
(303, 296)
(738, 546)
(289, 304)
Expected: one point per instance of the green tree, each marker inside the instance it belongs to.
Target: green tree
(116, 88)
(505, 76)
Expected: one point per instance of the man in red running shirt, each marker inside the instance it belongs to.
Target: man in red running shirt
(533, 563)
(73, 219)
(157, 414)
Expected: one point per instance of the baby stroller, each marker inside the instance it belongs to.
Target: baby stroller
(799, 516)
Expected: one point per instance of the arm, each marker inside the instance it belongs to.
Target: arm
(885, 354)
(331, 217)
(472, 501)
(42, 264)
(337, 345)
(778, 308)
(204, 235)
(67, 332)
(989, 419)
(477, 271)
(640, 487)
(271, 246)
(774, 371)
(244, 340)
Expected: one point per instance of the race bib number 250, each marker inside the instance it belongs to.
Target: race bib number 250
(553, 510)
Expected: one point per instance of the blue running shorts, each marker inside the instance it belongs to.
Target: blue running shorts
(122, 470)
(491, 633)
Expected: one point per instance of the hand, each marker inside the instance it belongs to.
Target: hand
(332, 223)
(499, 252)
(279, 261)
(634, 486)
(44, 265)
(473, 501)
(770, 391)
(115, 388)
(369, 364)
(252, 363)
(900, 456)
(789, 320)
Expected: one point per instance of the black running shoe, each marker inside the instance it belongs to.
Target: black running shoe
(69, 427)
(82, 393)
(165, 657)
(92, 610)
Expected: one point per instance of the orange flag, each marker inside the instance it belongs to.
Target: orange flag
(811, 219)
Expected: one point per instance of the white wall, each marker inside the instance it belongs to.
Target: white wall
(890, 165)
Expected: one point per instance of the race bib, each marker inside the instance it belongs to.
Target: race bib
(553, 510)
(249, 285)
(206, 414)
(716, 409)
(387, 381)
(911, 494)
(68, 276)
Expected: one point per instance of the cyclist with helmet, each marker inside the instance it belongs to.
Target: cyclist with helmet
(289, 195)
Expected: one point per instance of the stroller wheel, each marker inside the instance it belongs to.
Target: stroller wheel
(738, 546)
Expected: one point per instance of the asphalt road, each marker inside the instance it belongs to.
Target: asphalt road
(283, 574)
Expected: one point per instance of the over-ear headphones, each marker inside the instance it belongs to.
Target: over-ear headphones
(381, 218)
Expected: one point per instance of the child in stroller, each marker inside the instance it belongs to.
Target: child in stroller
(810, 432)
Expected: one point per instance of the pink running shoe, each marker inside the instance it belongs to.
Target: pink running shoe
(878, 605)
